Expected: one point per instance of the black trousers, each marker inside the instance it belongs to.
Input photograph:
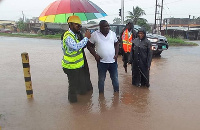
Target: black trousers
(86, 73)
(76, 83)
(125, 59)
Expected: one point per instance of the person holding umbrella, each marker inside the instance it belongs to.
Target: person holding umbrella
(73, 59)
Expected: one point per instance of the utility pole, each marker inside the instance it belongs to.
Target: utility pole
(161, 15)
(122, 11)
(166, 26)
(189, 23)
(23, 16)
(158, 16)
(154, 28)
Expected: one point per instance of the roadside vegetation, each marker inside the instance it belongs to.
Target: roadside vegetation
(171, 41)
(135, 16)
(57, 36)
(180, 42)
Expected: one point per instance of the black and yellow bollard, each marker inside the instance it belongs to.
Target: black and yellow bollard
(27, 74)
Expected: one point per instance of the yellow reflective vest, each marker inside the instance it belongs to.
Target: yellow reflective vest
(72, 60)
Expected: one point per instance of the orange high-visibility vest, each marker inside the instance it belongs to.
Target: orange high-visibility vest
(127, 41)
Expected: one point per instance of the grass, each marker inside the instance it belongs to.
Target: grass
(57, 36)
(171, 41)
(180, 42)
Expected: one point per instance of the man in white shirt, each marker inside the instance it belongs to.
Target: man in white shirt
(104, 46)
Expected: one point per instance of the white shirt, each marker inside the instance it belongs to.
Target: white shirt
(104, 45)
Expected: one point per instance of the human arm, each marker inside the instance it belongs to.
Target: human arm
(130, 60)
(73, 45)
(116, 45)
(91, 47)
(150, 54)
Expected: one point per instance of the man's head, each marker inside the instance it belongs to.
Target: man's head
(104, 27)
(74, 23)
(130, 26)
(142, 33)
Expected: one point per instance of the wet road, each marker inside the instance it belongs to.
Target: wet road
(171, 103)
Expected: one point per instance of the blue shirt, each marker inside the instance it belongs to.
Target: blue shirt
(72, 45)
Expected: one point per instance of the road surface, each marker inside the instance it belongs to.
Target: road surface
(171, 103)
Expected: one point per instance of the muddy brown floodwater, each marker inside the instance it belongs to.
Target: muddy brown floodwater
(171, 103)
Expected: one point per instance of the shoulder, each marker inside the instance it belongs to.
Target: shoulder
(148, 42)
(112, 33)
(95, 33)
(94, 36)
(136, 39)
(68, 33)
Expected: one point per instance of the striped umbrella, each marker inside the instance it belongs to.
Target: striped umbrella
(60, 10)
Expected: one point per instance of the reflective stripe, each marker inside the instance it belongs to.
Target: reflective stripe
(127, 47)
(125, 42)
(74, 59)
(79, 52)
(67, 62)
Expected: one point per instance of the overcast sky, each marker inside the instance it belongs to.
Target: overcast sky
(12, 9)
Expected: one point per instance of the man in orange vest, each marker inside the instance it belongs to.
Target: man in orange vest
(127, 37)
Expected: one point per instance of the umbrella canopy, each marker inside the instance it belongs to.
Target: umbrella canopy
(60, 10)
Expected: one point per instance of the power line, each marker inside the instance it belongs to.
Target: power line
(173, 2)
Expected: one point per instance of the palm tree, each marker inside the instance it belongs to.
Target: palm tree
(117, 21)
(136, 14)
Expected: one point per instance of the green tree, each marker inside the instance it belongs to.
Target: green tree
(21, 25)
(117, 21)
(143, 23)
(136, 14)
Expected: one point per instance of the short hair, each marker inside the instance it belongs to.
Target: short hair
(102, 22)
(129, 23)
(70, 24)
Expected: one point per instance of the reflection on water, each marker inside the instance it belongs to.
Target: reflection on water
(129, 95)
(158, 61)
(136, 97)
(104, 102)
(95, 103)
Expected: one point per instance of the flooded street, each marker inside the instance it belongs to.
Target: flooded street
(171, 103)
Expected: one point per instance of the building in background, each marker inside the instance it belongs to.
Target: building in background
(182, 27)
(7, 26)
